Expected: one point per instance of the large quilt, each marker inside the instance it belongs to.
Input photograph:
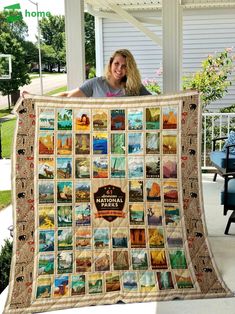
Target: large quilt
(108, 204)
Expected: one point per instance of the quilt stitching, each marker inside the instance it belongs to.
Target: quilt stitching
(108, 204)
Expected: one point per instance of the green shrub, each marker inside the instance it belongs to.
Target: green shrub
(152, 86)
(5, 264)
(213, 79)
(92, 72)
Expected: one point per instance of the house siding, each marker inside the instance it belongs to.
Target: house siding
(204, 32)
(118, 34)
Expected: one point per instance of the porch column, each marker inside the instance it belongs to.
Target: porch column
(172, 45)
(75, 42)
(99, 53)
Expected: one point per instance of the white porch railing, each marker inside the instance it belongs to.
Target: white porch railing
(214, 125)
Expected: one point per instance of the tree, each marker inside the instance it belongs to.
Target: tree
(31, 52)
(53, 33)
(48, 56)
(18, 29)
(11, 42)
(89, 39)
(19, 75)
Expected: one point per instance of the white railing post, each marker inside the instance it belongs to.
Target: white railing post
(220, 130)
(224, 119)
(204, 161)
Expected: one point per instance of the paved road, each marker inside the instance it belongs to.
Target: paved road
(50, 82)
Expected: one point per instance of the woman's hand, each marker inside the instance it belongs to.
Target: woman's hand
(62, 94)
(72, 93)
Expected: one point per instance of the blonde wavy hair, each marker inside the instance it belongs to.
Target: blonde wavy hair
(132, 80)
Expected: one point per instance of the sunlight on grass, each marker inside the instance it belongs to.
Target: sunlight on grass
(4, 112)
(7, 131)
(57, 90)
(5, 199)
(44, 74)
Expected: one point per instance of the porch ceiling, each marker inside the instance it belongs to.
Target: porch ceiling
(128, 5)
(140, 5)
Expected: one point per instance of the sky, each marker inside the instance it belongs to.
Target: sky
(55, 7)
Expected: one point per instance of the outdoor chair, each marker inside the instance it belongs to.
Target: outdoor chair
(228, 197)
(223, 160)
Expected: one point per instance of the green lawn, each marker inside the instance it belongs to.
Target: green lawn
(36, 75)
(57, 90)
(4, 112)
(8, 127)
(33, 76)
(5, 199)
(7, 131)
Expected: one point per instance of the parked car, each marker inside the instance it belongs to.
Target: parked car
(62, 69)
(34, 70)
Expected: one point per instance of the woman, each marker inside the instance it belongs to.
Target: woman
(122, 78)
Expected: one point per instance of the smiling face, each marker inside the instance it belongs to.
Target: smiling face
(118, 68)
(121, 72)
